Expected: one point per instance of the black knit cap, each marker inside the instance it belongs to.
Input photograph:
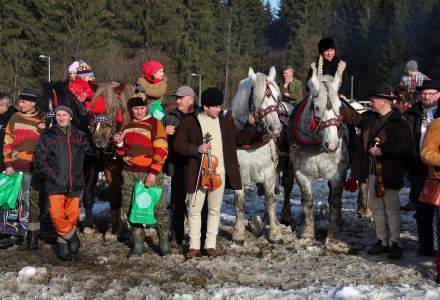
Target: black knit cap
(212, 97)
(28, 95)
(136, 101)
(325, 44)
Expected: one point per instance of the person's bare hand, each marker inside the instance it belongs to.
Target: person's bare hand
(9, 171)
(252, 119)
(150, 180)
(117, 137)
(170, 129)
(204, 148)
(375, 151)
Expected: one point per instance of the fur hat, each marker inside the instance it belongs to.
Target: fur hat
(325, 44)
(136, 101)
(64, 108)
(28, 95)
(429, 85)
(411, 66)
(84, 70)
(212, 97)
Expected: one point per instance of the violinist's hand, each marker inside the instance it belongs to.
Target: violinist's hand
(204, 148)
(375, 151)
(151, 180)
(252, 119)
(170, 129)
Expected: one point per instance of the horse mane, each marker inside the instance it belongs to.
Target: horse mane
(113, 103)
(240, 102)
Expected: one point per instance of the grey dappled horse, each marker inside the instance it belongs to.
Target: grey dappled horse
(258, 94)
(328, 160)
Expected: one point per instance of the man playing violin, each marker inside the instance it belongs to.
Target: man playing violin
(189, 142)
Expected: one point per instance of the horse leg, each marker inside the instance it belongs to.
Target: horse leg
(91, 178)
(113, 175)
(238, 234)
(288, 180)
(335, 203)
(305, 186)
(274, 230)
(363, 210)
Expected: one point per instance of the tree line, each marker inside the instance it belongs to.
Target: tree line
(217, 39)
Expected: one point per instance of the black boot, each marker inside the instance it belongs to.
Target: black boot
(395, 251)
(74, 245)
(378, 248)
(62, 251)
(8, 241)
(32, 240)
(437, 278)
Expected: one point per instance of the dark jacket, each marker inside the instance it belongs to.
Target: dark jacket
(175, 162)
(59, 157)
(4, 119)
(189, 138)
(397, 145)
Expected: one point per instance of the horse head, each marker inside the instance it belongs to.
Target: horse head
(325, 110)
(258, 94)
(109, 106)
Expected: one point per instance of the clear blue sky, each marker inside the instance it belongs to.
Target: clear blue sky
(274, 3)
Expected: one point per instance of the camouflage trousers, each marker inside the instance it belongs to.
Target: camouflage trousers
(160, 210)
(30, 194)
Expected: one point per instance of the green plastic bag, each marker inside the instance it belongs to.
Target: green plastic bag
(144, 201)
(156, 110)
(9, 189)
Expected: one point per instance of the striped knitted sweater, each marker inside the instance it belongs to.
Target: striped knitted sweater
(145, 146)
(21, 138)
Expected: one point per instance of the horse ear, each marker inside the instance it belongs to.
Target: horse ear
(272, 74)
(251, 74)
(120, 88)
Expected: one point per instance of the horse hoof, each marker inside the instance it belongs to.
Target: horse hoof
(89, 231)
(256, 226)
(238, 234)
(275, 238)
(110, 237)
(336, 246)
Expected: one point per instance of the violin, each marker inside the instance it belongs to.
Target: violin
(378, 185)
(209, 180)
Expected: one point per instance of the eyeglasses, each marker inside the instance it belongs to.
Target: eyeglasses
(429, 94)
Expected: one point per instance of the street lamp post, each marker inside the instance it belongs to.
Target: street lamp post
(48, 60)
(200, 86)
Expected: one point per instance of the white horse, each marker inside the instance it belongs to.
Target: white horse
(325, 157)
(260, 95)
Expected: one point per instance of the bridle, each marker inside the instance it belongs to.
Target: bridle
(259, 112)
(317, 123)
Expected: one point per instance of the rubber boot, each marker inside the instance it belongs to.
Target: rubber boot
(74, 245)
(138, 242)
(62, 249)
(164, 243)
(32, 240)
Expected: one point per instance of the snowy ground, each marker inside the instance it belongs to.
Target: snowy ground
(256, 269)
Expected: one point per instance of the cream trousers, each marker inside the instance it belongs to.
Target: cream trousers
(194, 204)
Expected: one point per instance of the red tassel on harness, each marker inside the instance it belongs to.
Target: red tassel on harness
(350, 185)
(313, 124)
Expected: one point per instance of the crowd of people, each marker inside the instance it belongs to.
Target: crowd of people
(150, 147)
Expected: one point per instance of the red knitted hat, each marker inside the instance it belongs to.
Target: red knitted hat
(149, 68)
